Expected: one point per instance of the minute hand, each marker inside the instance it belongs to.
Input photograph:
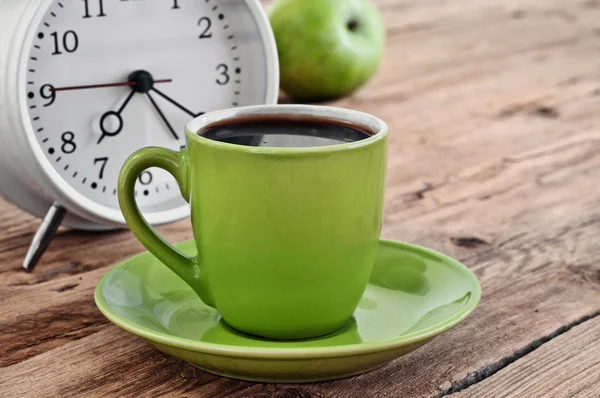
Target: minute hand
(177, 104)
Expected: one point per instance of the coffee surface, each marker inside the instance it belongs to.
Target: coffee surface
(282, 132)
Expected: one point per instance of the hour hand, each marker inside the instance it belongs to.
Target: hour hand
(162, 116)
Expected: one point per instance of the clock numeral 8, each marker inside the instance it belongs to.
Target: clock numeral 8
(70, 42)
(224, 76)
(47, 92)
(145, 178)
(68, 145)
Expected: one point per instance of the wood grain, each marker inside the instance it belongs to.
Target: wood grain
(568, 366)
(494, 159)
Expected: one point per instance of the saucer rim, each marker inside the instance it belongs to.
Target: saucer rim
(297, 352)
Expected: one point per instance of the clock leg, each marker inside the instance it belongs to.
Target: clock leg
(44, 236)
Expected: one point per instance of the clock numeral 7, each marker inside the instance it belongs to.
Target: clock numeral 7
(103, 161)
(100, 7)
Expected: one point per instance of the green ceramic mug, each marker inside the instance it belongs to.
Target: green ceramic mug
(286, 236)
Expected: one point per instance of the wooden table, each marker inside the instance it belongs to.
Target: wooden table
(494, 109)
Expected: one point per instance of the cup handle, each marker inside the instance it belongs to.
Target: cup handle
(187, 268)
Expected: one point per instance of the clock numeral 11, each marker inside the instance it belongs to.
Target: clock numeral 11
(100, 7)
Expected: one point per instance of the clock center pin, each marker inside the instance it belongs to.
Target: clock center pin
(143, 81)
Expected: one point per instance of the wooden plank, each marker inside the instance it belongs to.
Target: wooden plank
(566, 367)
(505, 322)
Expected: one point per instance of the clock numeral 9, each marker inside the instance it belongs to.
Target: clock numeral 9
(68, 145)
(47, 92)
(145, 178)
(224, 76)
(100, 7)
(103, 161)
(206, 34)
(70, 42)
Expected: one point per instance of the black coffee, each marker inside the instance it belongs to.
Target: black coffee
(283, 132)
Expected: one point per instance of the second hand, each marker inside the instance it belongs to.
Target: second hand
(105, 85)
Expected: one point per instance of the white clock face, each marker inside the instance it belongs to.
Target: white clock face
(106, 77)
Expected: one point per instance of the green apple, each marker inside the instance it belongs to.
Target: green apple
(327, 48)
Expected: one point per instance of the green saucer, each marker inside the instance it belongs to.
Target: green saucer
(414, 295)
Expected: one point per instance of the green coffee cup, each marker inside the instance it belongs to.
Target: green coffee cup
(286, 236)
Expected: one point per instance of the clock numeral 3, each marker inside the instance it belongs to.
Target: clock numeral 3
(145, 178)
(103, 161)
(70, 42)
(100, 7)
(68, 145)
(224, 76)
(206, 22)
(47, 92)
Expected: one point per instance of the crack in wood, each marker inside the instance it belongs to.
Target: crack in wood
(470, 242)
(64, 288)
(493, 368)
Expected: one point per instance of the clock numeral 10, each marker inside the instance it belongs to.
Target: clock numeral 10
(102, 166)
(100, 7)
(70, 42)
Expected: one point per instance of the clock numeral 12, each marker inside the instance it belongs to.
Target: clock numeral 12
(103, 161)
(175, 5)
(100, 6)
(70, 42)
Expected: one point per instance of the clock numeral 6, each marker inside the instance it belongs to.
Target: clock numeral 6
(100, 8)
(206, 22)
(47, 92)
(145, 178)
(70, 42)
(224, 76)
(103, 161)
(68, 145)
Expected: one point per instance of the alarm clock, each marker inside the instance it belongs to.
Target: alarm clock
(84, 83)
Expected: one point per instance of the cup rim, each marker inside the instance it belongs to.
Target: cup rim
(365, 120)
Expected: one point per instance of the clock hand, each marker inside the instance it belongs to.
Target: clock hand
(176, 103)
(104, 130)
(162, 116)
(129, 83)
